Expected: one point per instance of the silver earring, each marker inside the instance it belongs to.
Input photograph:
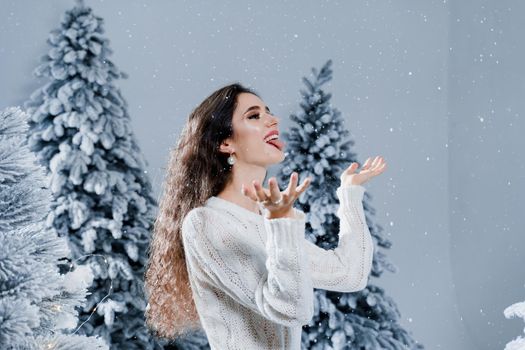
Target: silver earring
(231, 160)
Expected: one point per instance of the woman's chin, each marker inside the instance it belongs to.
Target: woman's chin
(277, 155)
(275, 159)
(281, 157)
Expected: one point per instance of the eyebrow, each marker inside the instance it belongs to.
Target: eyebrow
(255, 107)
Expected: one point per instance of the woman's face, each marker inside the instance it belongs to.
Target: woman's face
(252, 121)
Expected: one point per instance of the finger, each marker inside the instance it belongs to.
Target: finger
(379, 163)
(367, 164)
(303, 186)
(259, 192)
(275, 192)
(374, 163)
(377, 170)
(376, 167)
(250, 194)
(352, 167)
(294, 178)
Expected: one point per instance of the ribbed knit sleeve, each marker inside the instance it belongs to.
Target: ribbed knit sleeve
(347, 267)
(283, 293)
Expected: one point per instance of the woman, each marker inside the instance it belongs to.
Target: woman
(228, 255)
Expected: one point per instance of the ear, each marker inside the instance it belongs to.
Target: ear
(226, 147)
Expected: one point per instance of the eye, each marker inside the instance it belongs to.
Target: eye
(254, 115)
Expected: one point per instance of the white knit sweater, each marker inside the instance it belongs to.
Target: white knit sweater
(252, 278)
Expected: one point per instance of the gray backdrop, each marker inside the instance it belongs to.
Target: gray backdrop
(433, 86)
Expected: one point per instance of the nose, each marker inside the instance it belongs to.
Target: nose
(273, 119)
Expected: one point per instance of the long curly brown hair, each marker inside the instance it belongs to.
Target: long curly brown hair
(196, 171)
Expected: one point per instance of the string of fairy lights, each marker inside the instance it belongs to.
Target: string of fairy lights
(58, 307)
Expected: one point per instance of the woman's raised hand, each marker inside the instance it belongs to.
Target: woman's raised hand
(369, 169)
(277, 202)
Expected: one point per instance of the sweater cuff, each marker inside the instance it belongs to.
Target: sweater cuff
(350, 193)
(284, 236)
(351, 210)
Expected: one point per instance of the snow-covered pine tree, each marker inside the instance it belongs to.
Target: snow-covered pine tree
(316, 147)
(37, 303)
(103, 201)
(516, 310)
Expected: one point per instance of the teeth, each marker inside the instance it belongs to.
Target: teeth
(273, 137)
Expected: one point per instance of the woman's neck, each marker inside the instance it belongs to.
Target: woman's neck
(241, 200)
(243, 174)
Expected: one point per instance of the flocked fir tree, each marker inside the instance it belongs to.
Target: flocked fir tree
(516, 310)
(319, 147)
(103, 201)
(37, 303)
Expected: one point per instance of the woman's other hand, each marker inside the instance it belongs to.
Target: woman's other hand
(369, 170)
